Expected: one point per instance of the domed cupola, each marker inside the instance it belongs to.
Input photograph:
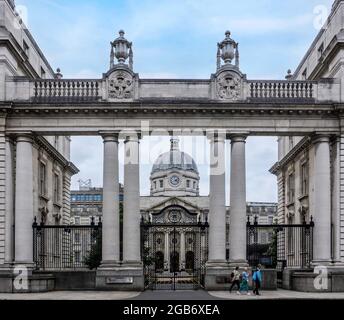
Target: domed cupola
(174, 173)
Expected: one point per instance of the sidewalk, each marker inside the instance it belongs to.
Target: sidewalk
(169, 295)
(279, 294)
(70, 295)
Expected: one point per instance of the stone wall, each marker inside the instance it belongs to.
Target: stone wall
(2, 196)
(341, 197)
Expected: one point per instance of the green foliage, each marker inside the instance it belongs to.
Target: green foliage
(94, 258)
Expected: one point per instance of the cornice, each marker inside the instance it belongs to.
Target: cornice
(302, 145)
(183, 107)
(43, 143)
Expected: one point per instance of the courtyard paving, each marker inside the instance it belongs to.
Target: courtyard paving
(169, 295)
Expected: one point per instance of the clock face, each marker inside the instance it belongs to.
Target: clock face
(174, 180)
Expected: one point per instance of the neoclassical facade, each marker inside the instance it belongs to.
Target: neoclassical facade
(309, 168)
(38, 105)
(46, 159)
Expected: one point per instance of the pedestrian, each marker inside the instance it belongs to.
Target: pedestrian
(235, 279)
(244, 282)
(257, 280)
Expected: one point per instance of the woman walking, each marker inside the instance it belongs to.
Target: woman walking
(244, 282)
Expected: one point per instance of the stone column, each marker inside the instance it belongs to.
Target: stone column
(167, 251)
(9, 219)
(110, 241)
(182, 250)
(131, 206)
(24, 200)
(217, 201)
(237, 226)
(322, 201)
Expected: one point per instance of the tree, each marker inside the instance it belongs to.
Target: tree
(94, 258)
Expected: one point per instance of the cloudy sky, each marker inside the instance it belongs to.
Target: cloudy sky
(176, 39)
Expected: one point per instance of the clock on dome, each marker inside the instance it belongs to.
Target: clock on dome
(174, 180)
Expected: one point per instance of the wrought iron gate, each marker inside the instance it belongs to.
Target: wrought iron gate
(174, 255)
(280, 245)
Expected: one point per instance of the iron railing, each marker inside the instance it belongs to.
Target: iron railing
(65, 247)
(280, 245)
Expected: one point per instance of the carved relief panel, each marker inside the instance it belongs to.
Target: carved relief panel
(120, 85)
(228, 86)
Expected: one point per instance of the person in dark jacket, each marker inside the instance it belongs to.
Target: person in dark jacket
(235, 279)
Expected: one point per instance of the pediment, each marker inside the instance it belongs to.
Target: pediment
(174, 201)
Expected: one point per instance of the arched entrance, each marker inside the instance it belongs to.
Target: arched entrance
(159, 262)
(174, 262)
(190, 261)
(166, 240)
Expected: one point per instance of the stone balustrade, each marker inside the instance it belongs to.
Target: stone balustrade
(97, 90)
(67, 90)
(282, 90)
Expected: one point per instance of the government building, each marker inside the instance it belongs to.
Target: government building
(174, 198)
(114, 238)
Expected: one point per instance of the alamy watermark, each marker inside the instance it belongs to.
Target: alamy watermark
(321, 280)
(21, 280)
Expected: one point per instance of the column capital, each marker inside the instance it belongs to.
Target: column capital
(24, 137)
(238, 137)
(216, 135)
(109, 136)
(131, 136)
(321, 138)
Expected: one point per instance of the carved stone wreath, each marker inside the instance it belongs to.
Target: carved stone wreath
(228, 86)
(120, 85)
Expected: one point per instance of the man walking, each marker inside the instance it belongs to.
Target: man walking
(257, 279)
(235, 279)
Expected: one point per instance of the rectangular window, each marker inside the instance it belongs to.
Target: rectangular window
(321, 50)
(77, 256)
(304, 74)
(43, 73)
(77, 220)
(77, 237)
(57, 197)
(291, 143)
(270, 220)
(161, 183)
(304, 179)
(194, 184)
(291, 187)
(26, 48)
(42, 178)
(188, 183)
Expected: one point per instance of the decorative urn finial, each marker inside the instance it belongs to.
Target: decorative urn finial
(121, 48)
(227, 51)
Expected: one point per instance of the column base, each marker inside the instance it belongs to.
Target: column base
(321, 262)
(217, 275)
(238, 263)
(15, 280)
(126, 276)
